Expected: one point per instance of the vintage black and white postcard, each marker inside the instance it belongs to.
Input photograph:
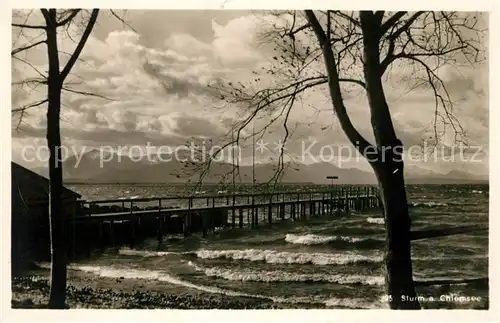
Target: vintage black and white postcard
(290, 158)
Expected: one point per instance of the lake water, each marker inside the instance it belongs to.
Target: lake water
(336, 261)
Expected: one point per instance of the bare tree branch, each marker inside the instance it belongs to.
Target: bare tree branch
(46, 15)
(86, 93)
(446, 103)
(30, 65)
(20, 49)
(391, 21)
(79, 47)
(347, 17)
(73, 13)
(31, 80)
(402, 36)
(32, 105)
(122, 20)
(379, 15)
(358, 82)
(28, 26)
(407, 24)
(333, 81)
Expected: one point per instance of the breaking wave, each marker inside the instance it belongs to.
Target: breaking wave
(114, 272)
(427, 204)
(451, 257)
(281, 276)
(313, 239)
(146, 253)
(375, 220)
(283, 257)
(147, 274)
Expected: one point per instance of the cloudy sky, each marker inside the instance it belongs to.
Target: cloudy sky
(190, 49)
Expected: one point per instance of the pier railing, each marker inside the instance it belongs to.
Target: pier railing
(103, 220)
(203, 201)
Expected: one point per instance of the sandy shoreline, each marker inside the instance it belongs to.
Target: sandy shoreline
(92, 292)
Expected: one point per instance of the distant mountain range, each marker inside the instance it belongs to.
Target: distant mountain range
(121, 169)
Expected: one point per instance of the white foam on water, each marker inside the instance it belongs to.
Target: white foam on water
(44, 265)
(428, 204)
(451, 257)
(375, 220)
(477, 192)
(418, 277)
(281, 276)
(273, 256)
(146, 253)
(113, 272)
(277, 257)
(313, 239)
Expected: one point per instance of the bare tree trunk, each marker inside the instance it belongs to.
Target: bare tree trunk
(389, 165)
(400, 287)
(389, 171)
(57, 219)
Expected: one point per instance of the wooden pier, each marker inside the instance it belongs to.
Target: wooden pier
(125, 221)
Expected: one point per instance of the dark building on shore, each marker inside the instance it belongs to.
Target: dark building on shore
(30, 226)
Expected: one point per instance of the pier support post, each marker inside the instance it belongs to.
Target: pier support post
(100, 234)
(322, 204)
(131, 239)
(111, 232)
(161, 224)
(329, 205)
(204, 223)
(241, 218)
(187, 224)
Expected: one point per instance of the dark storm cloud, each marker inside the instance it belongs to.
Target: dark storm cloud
(174, 85)
(127, 131)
